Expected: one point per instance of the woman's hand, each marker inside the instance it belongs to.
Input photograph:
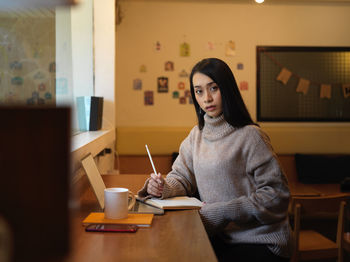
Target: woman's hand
(155, 185)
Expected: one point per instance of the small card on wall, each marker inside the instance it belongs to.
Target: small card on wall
(230, 48)
(346, 90)
(303, 86)
(137, 84)
(176, 94)
(143, 69)
(148, 98)
(184, 49)
(15, 65)
(157, 46)
(61, 86)
(326, 91)
(183, 73)
(210, 46)
(181, 85)
(284, 75)
(240, 66)
(162, 83)
(41, 87)
(243, 85)
(182, 100)
(169, 66)
(187, 93)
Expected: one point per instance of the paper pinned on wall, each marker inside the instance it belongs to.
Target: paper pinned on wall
(143, 69)
(61, 86)
(181, 85)
(210, 46)
(184, 49)
(16, 65)
(240, 66)
(157, 46)
(163, 84)
(243, 85)
(346, 90)
(137, 84)
(42, 87)
(183, 73)
(303, 86)
(230, 48)
(148, 98)
(326, 91)
(182, 100)
(169, 66)
(48, 96)
(284, 75)
(176, 94)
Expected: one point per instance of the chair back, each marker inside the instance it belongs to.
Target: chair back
(331, 206)
(319, 205)
(343, 236)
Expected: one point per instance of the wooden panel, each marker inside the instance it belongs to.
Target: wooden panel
(160, 140)
(131, 164)
(288, 165)
(140, 164)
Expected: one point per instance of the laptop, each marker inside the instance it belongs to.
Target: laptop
(99, 186)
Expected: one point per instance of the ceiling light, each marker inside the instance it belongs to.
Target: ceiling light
(259, 1)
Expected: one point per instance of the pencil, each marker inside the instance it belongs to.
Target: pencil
(150, 159)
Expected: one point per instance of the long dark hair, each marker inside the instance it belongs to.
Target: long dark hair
(233, 107)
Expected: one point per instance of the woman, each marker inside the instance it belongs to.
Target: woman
(228, 162)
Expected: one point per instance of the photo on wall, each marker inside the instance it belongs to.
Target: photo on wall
(162, 83)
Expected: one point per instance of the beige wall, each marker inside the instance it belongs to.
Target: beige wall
(248, 25)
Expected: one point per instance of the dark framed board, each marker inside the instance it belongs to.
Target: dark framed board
(303, 84)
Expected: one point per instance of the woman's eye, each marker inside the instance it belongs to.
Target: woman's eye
(213, 88)
(198, 91)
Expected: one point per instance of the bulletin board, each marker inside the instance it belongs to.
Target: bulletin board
(303, 84)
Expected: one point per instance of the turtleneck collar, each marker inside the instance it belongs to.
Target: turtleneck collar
(216, 127)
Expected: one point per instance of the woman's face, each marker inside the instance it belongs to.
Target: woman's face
(207, 94)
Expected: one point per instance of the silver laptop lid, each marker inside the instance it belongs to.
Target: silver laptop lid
(95, 179)
(99, 186)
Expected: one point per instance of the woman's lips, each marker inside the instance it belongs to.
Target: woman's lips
(210, 108)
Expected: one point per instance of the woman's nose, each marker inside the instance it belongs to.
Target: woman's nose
(208, 97)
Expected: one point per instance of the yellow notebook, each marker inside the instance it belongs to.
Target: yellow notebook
(141, 220)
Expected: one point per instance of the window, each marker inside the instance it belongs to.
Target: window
(46, 56)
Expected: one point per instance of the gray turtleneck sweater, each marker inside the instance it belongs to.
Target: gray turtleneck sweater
(236, 173)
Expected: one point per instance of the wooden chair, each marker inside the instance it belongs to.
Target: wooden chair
(344, 237)
(310, 244)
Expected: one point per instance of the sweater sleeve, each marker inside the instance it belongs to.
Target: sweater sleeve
(180, 181)
(267, 204)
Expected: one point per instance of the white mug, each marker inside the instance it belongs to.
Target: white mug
(116, 202)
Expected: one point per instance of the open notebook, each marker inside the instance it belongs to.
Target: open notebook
(179, 202)
(99, 186)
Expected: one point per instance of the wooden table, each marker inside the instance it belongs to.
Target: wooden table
(175, 236)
